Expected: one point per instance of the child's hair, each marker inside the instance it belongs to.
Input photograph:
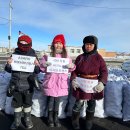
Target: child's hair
(53, 52)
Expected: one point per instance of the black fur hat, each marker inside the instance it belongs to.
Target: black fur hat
(90, 39)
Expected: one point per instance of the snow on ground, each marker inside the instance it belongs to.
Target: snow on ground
(116, 102)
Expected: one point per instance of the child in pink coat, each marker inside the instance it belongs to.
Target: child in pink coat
(55, 85)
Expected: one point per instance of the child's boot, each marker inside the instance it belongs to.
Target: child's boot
(27, 118)
(56, 120)
(75, 120)
(89, 120)
(50, 119)
(17, 118)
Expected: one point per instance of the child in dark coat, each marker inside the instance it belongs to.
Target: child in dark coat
(22, 83)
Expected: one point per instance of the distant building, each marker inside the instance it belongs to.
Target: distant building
(5, 49)
(106, 54)
(74, 51)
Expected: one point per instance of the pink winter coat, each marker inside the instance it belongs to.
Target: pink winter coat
(55, 84)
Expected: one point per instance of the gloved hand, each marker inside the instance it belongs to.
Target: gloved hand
(75, 85)
(33, 81)
(69, 66)
(98, 88)
(10, 91)
(46, 64)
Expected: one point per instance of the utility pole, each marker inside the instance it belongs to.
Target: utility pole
(10, 23)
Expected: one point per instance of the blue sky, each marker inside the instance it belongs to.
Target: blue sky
(109, 20)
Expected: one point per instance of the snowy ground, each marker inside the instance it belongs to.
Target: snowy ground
(116, 102)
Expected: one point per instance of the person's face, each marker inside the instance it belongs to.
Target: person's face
(58, 46)
(89, 47)
(23, 42)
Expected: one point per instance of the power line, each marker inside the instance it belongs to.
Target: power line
(4, 18)
(80, 5)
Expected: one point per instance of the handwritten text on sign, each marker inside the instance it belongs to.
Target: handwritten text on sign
(57, 65)
(23, 63)
(87, 85)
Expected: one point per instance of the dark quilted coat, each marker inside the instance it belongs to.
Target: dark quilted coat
(20, 79)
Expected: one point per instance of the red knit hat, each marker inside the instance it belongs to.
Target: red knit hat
(24, 47)
(59, 38)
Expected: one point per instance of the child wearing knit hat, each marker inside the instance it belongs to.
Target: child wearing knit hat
(22, 83)
(55, 85)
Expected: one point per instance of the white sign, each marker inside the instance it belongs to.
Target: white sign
(23, 63)
(57, 65)
(87, 85)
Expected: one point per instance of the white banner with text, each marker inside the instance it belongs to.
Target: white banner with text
(87, 85)
(23, 63)
(57, 65)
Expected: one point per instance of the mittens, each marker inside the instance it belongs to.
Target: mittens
(98, 88)
(10, 91)
(74, 83)
(69, 66)
(46, 64)
(33, 81)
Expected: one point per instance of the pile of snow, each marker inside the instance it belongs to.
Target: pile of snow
(117, 91)
(126, 102)
(126, 65)
(4, 80)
